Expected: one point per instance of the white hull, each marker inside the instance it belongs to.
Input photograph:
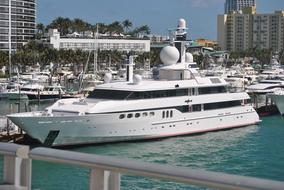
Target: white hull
(102, 128)
(13, 96)
(278, 99)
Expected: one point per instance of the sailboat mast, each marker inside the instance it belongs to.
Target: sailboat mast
(96, 51)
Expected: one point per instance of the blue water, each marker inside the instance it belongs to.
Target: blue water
(251, 151)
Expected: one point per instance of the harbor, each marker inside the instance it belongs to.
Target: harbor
(90, 99)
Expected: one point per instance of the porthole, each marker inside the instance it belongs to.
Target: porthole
(130, 115)
(122, 116)
(152, 114)
(137, 115)
(144, 114)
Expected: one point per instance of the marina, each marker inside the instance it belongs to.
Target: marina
(178, 102)
(107, 104)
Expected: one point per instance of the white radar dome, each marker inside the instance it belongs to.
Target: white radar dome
(181, 24)
(107, 77)
(137, 79)
(188, 58)
(169, 55)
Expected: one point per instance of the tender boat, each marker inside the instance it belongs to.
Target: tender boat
(178, 102)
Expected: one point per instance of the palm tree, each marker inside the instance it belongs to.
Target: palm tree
(3, 58)
(40, 30)
(126, 25)
(62, 24)
(145, 29)
(79, 25)
(115, 27)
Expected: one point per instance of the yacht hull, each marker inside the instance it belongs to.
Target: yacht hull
(104, 128)
(278, 99)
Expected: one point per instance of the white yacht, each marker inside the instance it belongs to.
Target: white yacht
(48, 92)
(278, 98)
(24, 91)
(179, 102)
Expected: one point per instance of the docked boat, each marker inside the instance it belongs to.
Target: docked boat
(278, 98)
(178, 102)
(265, 86)
(24, 91)
(48, 92)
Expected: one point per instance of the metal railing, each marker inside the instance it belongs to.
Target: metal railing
(106, 171)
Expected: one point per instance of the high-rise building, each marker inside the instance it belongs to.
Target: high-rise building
(23, 17)
(239, 31)
(238, 5)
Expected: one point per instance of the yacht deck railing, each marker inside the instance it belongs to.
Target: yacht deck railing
(106, 171)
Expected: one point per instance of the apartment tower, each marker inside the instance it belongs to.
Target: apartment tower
(238, 5)
(23, 17)
(242, 30)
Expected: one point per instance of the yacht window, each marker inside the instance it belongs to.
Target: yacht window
(130, 115)
(182, 109)
(158, 94)
(109, 94)
(163, 114)
(220, 105)
(196, 107)
(167, 114)
(212, 90)
(144, 114)
(171, 113)
(122, 116)
(152, 114)
(137, 115)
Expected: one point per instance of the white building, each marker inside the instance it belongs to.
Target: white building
(243, 30)
(86, 44)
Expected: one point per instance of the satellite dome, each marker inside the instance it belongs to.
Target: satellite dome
(181, 24)
(137, 79)
(188, 57)
(169, 55)
(107, 77)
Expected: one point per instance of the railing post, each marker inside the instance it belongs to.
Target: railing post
(112, 180)
(104, 180)
(17, 169)
(97, 179)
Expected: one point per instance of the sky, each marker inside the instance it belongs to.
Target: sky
(159, 15)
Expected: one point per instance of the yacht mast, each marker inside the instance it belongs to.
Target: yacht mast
(96, 51)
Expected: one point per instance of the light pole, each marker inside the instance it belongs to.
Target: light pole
(9, 38)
